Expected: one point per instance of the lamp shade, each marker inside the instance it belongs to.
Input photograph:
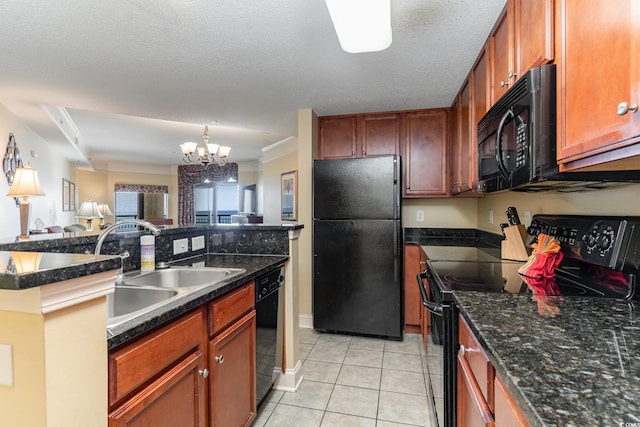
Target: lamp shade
(104, 209)
(88, 210)
(25, 183)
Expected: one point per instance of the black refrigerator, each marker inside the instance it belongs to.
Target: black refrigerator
(357, 246)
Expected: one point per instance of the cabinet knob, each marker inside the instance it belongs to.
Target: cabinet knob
(364, 153)
(464, 350)
(512, 74)
(624, 108)
(204, 373)
(219, 359)
(408, 187)
(353, 153)
(503, 83)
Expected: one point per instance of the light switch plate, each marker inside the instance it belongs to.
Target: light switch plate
(197, 243)
(420, 216)
(180, 246)
(6, 365)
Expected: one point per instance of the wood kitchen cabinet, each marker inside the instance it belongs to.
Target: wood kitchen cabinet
(507, 412)
(414, 263)
(198, 370)
(522, 38)
(501, 46)
(425, 153)
(482, 398)
(475, 381)
(232, 359)
(463, 143)
(159, 379)
(359, 135)
(598, 82)
(419, 135)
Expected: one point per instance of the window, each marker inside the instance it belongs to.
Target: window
(215, 203)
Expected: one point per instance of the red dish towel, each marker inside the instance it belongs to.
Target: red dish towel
(544, 259)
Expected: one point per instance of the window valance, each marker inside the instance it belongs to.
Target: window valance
(142, 188)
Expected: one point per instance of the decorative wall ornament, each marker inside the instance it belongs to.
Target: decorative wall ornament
(12, 160)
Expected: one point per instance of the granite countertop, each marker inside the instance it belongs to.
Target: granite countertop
(580, 367)
(24, 270)
(255, 265)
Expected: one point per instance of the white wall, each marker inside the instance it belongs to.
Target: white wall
(51, 167)
(272, 170)
(623, 200)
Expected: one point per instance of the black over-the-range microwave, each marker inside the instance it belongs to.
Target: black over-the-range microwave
(517, 142)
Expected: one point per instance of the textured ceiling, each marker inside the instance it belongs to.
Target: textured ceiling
(137, 77)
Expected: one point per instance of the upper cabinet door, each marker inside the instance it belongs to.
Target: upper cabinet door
(425, 153)
(379, 134)
(501, 43)
(599, 80)
(533, 34)
(337, 137)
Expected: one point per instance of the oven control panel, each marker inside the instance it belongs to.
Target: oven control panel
(612, 242)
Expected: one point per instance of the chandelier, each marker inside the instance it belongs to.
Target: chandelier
(210, 153)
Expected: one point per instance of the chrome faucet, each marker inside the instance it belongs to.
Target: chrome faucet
(146, 224)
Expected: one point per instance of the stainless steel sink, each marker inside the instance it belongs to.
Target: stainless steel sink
(128, 302)
(184, 277)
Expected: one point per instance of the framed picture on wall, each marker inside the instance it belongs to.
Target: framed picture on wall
(72, 196)
(65, 195)
(68, 196)
(289, 195)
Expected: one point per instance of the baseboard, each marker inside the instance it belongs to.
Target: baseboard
(305, 321)
(289, 380)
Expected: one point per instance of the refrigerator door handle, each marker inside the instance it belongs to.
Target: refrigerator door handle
(395, 252)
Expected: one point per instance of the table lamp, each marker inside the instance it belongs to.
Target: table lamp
(89, 211)
(25, 184)
(105, 211)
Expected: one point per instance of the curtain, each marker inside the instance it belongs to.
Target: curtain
(190, 175)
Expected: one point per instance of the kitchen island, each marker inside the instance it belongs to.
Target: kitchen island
(580, 367)
(53, 342)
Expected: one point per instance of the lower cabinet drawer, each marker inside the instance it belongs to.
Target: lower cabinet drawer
(138, 363)
(227, 309)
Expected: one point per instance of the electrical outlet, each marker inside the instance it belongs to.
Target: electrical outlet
(197, 243)
(527, 218)
(180, 246)
(490, 216)
(420, 216)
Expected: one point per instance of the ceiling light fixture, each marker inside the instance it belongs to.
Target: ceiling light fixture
(210, 153)
(361, 25)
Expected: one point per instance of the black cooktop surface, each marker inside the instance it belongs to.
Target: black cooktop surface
(571, 279)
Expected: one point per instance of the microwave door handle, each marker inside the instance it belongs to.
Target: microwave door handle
(501, 167)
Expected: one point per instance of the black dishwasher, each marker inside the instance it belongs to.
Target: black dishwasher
(267, 331)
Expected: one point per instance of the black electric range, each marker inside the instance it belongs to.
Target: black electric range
(601, 258)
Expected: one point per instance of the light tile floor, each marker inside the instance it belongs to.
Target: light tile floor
(357, 381)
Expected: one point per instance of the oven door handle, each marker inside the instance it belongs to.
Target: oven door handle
(501, 167)
(432, 307)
